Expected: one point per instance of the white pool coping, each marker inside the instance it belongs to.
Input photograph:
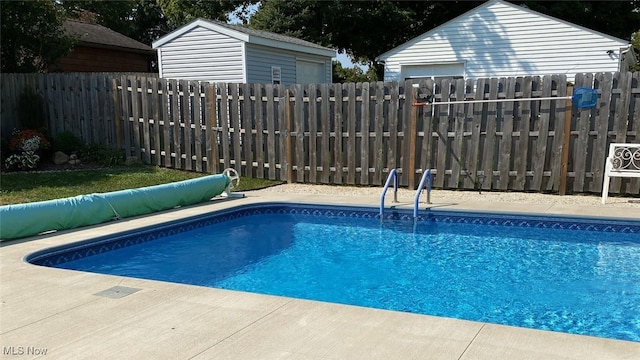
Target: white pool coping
(66, 314)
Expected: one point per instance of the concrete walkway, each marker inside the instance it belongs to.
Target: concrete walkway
(49, 313)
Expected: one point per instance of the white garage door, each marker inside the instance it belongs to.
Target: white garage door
(432, 70)
(308, 72)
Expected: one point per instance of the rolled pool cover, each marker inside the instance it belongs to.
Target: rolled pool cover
(21, 220)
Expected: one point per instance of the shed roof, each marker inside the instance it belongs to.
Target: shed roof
(100, 36)
(248, 35)
(482, 8)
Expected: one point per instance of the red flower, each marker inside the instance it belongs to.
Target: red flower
(19, 136)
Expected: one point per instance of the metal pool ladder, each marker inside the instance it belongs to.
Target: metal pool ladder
(393, 175)
(425, 180)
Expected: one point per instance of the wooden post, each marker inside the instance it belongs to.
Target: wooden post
(411, 166)
(565, 144)
(288, 144)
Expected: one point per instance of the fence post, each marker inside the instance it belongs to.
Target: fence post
(565, 144)
(288, 145)
(411, 166)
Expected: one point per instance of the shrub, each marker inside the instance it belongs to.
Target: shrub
(102, 155)
(67, 142)
(25, 144)
(27, 160)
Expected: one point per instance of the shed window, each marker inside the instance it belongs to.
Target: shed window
(275, 74)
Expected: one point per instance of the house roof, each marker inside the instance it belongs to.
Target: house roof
(99, 36)
(248, 35)
(481, 8)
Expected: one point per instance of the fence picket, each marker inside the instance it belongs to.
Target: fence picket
(211, 131)
(298, 115)
(558, 108)
(365, 134)
(634, 137)
(108, 109)
(313, 133)
(178, 108)
(156, 102)
(84, 108)
(271, 129)
(338, 131)
(474, 114)
(351, 134)
(603, 82)
(506, 140)
(543, 139)
(260, 116)
(225, 123)
(488, 159)
(444, 143)
(405, 152)
(279, 132)
(248, 140)
(51, 99)
(522, 144)
(581, 142)
(426, 159)
(620, 124)
(146, 124)
(282, 156)
(325, 122)
(199, 124)
(164, 124)
(458, 165)
(126, 114)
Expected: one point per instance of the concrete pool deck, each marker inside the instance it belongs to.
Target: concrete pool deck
(63, 314)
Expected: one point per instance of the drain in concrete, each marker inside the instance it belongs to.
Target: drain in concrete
(117, 292)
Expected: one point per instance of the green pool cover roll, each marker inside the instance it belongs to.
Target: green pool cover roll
(144, 200)
(23, 220)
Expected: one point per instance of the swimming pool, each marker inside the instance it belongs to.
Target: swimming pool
(578, 276)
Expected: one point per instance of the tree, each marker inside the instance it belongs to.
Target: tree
(138, 19)
(180, 12)
(146, 21)
(615, 18)
(32, 37)
(635, 44)
(362, 29)
(355, 74)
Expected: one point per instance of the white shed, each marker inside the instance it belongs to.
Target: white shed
(500, 39)
(214, 51)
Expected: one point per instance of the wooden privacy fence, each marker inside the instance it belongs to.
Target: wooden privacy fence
(82, 103)
(352, 133)
(356, 133)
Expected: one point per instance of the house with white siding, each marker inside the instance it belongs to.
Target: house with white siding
(214, 51)
(500, 39)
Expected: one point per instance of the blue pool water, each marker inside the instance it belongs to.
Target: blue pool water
(570, 275)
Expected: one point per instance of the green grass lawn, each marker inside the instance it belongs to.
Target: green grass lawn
(23, 187)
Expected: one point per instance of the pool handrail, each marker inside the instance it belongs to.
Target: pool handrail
(393, 174)
(426, 177)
